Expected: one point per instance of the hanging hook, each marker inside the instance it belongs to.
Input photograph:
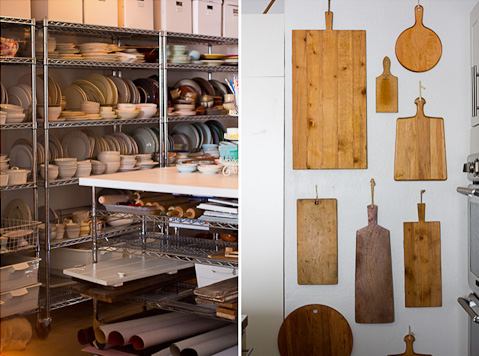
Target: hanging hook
(317, 198)
(422, 192)
(420, 91)
(418, 4)
(373, 183)
(268, 7)
(329, 5)
(409, 333)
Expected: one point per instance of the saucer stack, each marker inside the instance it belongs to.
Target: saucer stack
(178, 54)
(107, 113)
(71, 115)
(145, 161)
(127, 163)
(97, 51)
(131, 55)
(68, 51)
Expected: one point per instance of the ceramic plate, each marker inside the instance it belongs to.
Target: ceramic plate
(87, 85)
(76, 144)
(17, 209)
(21, 156)
(74, 95)
(206, 87)
(102, 83)
(190, 132)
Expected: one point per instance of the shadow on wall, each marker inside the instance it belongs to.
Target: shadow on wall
(258, 6)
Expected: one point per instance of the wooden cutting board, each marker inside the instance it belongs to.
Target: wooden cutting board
(317, 239)
(409, 339)
(315, 330)
(329, 98)
(374, 283)
(420, 147)
(422, 262)
(418, 48)
(386, 89)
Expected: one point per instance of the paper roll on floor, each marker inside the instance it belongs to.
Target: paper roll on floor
(233, 351)
(212, 346)
(177, 347)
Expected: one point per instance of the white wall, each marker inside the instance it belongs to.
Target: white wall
(439, 331)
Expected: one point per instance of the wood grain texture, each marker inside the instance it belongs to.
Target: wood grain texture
(315, 330)
(218, 290)
(374, 283)
(422, 262)
(329, 99)
(418, 48)
(420, 147)
(409, 339)
(317, 239)
(386, 89)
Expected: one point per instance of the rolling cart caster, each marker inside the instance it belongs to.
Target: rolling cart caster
(43, 328)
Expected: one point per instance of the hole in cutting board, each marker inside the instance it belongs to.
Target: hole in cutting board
(315, 311)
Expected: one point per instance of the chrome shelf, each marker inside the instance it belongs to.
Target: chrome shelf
(177, 37)
(62, 182)
(201, 68)
(21, 125)
(104, 235)
(17, 60)
(8, 188)
(99, 31)
(187, 249)
(76, 63)
(16, 21)
(200, 117)
(88, 123)
(61, 299)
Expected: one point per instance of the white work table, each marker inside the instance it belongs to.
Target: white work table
(168, 180)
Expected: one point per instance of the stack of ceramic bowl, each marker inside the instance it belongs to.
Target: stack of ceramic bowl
(53, 112)
(60, 231)
(90, 107)
(53, 171)
(67, 167)
(97, 167)
(178, 54)
(4, 165)
(209, 168)
(111, 159)
(81, 216)
(15, 113)
(83, 169)
(107, 113)
(68, 51)
(144, 161)
(211, 150)
(126, 111)
(146, 110)
(131, 55)
(53, 231)
(84, 228)
(3, 117)
(73, 230)
(127, 163)
(97, 51)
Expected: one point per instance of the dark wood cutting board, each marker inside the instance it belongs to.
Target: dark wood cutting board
(422, 262)
(329, 98)
(418, 48)
(315, 330)
(317, 238)
(386, 89)
(420, 147)
(374, 284)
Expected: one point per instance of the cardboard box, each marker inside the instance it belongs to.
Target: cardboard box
(207, 16)
(136, 14)
(15, 8)
(58, 10)
(230, 20)
(173, 15)
(100, 12)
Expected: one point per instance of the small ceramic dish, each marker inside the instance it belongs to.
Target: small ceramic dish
(209, 168)
(186, 168)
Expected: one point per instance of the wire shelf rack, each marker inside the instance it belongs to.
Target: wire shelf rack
(176, 37)
(61, 299)
(21, 125)
(200, 118)
(188, 249)
(8, 188)
(16, 21)
(18, 235)
(17, 60)
(201, 68)
(88, 123)
(76, 63)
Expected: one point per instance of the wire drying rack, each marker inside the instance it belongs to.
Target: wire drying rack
(18, 235)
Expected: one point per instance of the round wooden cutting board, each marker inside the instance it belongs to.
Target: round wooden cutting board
(418, 48)
(315, 330)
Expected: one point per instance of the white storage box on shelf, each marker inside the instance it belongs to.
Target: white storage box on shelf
(173, 15)
(100, 12)
(58, 10)
(15, 8)
(19, 300)
(230, 18)
(206, 274)
(207, 17)
(136, 14)
(17, 272)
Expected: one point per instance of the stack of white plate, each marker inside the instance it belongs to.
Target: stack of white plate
(15, 113)
(97, 51)
(68, 51)
(73, 115)
(76, 144)
(4, 163)
(178, 54)
(21, 154)
(131, 56)
(127, 163)
(21, 95)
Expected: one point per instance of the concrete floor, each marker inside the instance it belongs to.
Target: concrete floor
(62, 340)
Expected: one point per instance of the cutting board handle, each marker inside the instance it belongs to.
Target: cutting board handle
(420, 106)
(372, 214)
(386, 66)
(419, 11)
(421, 211)
(329, 20)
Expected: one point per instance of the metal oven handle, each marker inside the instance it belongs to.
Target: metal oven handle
(468, 191)
(474, 76)
(465, 305)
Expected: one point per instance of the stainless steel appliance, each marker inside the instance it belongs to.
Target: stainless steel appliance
(471, 303)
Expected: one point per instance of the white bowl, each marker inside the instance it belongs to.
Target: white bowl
(127, 158)
(112, 167)
(67, 173)
(53, 112)
(186, 168)
(65, 161)
(11, 107)
(98, 167)
(109, 156)
(126, 107)
(83, 172)
(143, 157)
(73, 233)
(209, 168)
(52, 172)
(15, 117)
(146, 111)
(114, 220)
(126, 115)
(84, 164)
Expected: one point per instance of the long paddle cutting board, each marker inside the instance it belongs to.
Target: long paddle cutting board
(387, 89)
(374, 283)
(420, 147)
(422, 262)
(329, 98)
(317, 238)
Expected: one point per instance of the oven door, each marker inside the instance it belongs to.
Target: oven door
(471, 307)
(472, 192)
